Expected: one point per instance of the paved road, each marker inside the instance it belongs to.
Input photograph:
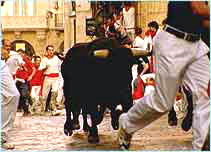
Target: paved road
(46, 133)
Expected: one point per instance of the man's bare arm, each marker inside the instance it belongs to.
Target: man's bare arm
(206, 24)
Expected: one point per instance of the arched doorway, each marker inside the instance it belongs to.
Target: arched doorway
(22, 44)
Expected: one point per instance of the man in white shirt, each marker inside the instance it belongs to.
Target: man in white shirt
(51, 66)
(9, 98)
(141, 41)
(129, 20)
(12, 58)
(151, 34)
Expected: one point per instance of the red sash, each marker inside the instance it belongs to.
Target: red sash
(139, 91)
(52, 75)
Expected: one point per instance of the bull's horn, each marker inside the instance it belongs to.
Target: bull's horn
(101, 53)
(139, 52)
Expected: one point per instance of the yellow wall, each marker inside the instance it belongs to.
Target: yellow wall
(150, 11)
(31, 30)
(146, 11)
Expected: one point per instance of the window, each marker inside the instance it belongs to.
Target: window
(18, 7)
(21, 7)
(30, 7)
(26, 7)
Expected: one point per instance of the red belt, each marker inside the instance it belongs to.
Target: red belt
(52, 75)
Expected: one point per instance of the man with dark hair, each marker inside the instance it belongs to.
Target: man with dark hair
(50, 65)
(153, 25)
(180, 59)
(24, 75)
(36, 83)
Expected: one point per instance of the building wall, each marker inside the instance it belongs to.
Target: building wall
(42, 31)
(147, 11)
(83, 11)
(39, 45)
(39, 30)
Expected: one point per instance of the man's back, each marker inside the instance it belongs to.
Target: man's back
(179, 16)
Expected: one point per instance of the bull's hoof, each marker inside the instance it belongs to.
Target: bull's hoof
(76, 126)
(115, 125)
(115, 120)
(68, 131)
(93, 139)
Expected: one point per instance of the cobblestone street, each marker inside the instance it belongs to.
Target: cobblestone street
(46, 133)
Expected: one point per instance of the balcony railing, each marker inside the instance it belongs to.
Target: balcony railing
(59, 20)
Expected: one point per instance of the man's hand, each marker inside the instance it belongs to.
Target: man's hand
(29, 78)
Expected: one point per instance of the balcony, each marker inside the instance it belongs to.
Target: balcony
(59, 20)
(23, 23)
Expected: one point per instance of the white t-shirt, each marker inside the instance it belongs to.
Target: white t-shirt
(8, 88)
(129, 18)
(14, 62)
(141, 43)
(53, 64)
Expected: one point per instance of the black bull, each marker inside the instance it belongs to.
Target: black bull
(90, 81)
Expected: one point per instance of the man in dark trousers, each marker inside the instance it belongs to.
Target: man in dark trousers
(181, 58)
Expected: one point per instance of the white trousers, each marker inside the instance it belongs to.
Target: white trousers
(9, 100)
(177, 61)
(48, 84)
(35, 93)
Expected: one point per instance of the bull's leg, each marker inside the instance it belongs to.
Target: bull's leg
(115, 113)
(126, 99)
(100, 110)
(68, 128)
(85, 123)
(76, 112)
(93, 136)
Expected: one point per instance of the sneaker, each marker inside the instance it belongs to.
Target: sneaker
(124, 139)
(56, 113)
(7, 146)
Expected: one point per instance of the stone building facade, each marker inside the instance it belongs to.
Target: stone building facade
(147, 11)
(34, 24)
